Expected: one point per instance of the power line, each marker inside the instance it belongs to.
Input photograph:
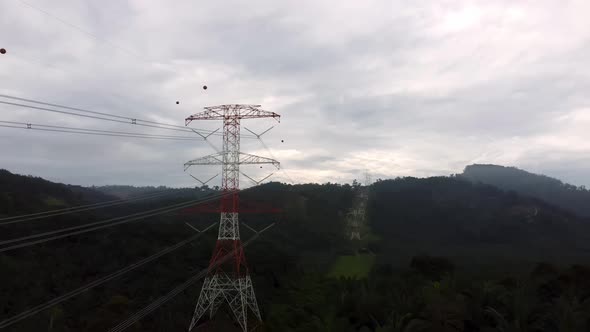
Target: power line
(162, 300)
(103, 40)
(75, 230)
(86, 116)
(99, 225)
(131, 121)
(91, 133)
(31, 243)
(75, 209)
(30, 312)
(93, 112)
(133, 216)
(96, 37)
(73, 130)
(71, 25)
(29, 124)
(101, 116)
(273, 157)
(259, 137)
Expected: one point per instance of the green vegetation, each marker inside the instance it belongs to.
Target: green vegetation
(352, 266)
(27, 194)
(54, 202)
(128, 191)
(564, 195)
(442, 254)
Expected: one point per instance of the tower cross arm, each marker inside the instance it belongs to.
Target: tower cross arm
(250, 159)
(217, 159)
(212, 159)
(239, 111)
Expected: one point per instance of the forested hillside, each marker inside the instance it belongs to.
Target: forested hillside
(128, 191)
(442, 254)
(26, 194)
(458, 218)
(567, 196)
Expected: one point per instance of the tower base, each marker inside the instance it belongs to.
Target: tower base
(238, 293)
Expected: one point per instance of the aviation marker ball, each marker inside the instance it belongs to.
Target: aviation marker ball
(3, 51)
(204, 87)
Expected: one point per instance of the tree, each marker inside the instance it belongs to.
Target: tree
(570, 314)
(54, 314)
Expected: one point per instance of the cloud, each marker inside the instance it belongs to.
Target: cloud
(399, 89)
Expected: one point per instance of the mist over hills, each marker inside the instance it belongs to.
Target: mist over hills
(553, 191)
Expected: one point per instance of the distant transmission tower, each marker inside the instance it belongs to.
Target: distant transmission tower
(368, 178)
(357, 215)
(228, 279)
(356, 219)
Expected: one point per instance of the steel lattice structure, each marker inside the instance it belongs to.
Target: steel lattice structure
(229, 280)
(356, 217)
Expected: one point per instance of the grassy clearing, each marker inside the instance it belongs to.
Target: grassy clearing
(54, 202)
(353, 266)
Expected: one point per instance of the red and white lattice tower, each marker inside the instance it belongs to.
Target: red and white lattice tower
(228, 279)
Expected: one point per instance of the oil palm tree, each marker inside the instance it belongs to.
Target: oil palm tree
(521, 306)
(570, 313)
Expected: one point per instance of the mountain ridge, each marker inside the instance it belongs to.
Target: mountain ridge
(551, 190)
(27, 193)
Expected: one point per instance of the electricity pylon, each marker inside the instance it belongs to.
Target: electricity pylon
(357, 215)
(356, 218)
(228, 279)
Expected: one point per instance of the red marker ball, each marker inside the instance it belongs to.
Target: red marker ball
(3, 51)
(204, 87)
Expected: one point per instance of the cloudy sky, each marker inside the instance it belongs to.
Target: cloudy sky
(401, 88)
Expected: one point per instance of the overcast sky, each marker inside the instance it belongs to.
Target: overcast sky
(401, 88)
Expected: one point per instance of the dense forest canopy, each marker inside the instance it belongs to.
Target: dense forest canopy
(128, 191)
(26, 194)
(437, 254)
(553, 191)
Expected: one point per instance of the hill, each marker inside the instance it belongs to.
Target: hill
(457, 218)
(427, 237)
(128, 191)
(124, 192)
(553, 191)
(26, 194)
